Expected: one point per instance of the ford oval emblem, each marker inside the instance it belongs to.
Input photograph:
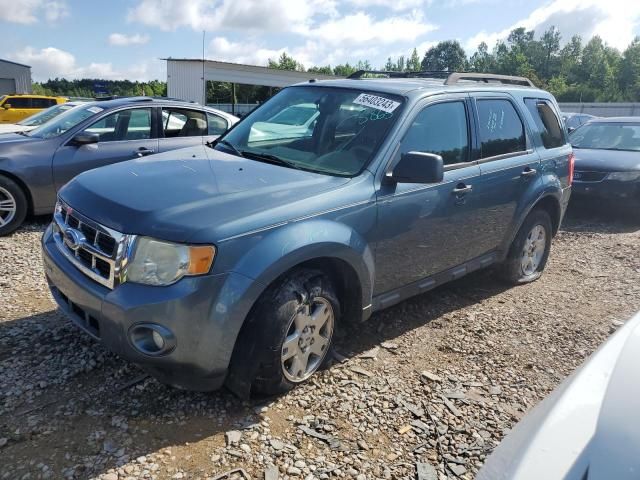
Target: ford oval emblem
(73, 238)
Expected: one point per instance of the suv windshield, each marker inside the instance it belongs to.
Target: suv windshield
(46, 115)
(607, 136)
(322, 129)
(64, 121)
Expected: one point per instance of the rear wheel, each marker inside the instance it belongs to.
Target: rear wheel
(300, 314)
(13, 206)
(529, 251)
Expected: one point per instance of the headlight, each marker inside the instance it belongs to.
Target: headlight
(624, 176)
(155, 262)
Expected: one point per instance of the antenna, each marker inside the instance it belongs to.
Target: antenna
(204, 80)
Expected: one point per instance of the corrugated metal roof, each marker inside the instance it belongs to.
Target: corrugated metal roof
(15, 63)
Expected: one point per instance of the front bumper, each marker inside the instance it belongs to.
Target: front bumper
(610, 190)
(204, 313)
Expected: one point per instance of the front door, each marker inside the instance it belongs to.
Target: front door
(422, 229)
(123, 135)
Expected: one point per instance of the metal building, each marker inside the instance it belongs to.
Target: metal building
(186, 76)
(14, 77)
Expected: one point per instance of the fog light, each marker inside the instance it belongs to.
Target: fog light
(158, 340)
(152, 339)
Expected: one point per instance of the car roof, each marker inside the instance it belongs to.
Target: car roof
(616, 120)
(420, 86)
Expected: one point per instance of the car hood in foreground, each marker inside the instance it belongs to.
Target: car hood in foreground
(606, 160)
(176, 194)
(14, 127)
(586, 429)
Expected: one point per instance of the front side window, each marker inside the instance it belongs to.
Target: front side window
(183, 122)
(133, 124)
(501, 130)
(440, 129)
(216, 124)
(63, 122)
(546, 122)
(329, 130)
(607, 136)
(42, 102)
(19, 102)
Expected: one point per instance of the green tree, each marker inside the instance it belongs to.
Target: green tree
(326, 70)
(414, 64)
(286, 62)
(482, 60)
(448, 55)
(629, 76)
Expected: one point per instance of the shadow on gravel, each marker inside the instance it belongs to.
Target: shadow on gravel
(588, 216)
(71, 405)
(415, 312)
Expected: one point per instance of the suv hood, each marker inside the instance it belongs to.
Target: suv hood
(175, 194)
(606, 160)
(16, 138)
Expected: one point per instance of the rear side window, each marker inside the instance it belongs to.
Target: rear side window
(547, 123)
(440, 129)
(42, 102)
(501, 130)
(183, 122)
(217, 125)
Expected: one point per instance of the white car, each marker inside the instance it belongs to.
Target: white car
(586, 429)
(38, 119)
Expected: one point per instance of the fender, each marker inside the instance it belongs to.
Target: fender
(548, 185)
(290, 245)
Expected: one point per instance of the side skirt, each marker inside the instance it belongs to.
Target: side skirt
(393, 297)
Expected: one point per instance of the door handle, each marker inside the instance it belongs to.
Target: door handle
(461, 189)
(528, 172)
(142, 151)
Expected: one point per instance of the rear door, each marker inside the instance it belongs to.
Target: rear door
(182, 127)
(508, 164)
(125, 134)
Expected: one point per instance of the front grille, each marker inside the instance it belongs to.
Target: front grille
(97, 251)
(587, 176)
(81, 317)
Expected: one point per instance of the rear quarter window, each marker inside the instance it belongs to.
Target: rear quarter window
(500, 127)
(547, 123)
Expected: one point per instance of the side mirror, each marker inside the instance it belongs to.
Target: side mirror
(85, 138)
(6, 106)
(418, 167)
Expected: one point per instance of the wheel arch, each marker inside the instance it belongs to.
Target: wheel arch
(23, 186)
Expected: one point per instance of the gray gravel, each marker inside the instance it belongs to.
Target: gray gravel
(432, 384)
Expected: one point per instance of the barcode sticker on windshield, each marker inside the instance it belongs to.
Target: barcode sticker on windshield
(95, 109)
(379, 103)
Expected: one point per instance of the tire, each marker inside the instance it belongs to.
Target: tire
(285, 317)
(529, 252)
(13, 206)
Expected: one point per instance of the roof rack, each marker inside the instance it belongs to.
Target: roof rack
(455, 77)
(450, 78)
(422, 74)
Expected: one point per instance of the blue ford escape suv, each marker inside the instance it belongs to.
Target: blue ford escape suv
(235, 263)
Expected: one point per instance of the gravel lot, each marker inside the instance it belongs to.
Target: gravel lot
(437, 380)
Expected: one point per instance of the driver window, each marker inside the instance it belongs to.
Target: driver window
(133, 124)
(440, 129)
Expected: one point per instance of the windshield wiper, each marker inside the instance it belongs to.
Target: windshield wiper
(228, 144)
(269, 158)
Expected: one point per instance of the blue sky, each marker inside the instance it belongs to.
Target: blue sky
(120, 39)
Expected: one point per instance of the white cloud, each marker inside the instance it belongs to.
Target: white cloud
(123, 40)
(397, 5)
(263, 15)
(29, 11)
(615, 21)
(52, 62)
(220, 48)
(362, 29)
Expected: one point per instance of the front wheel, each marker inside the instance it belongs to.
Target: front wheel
(300, 314)
(529, 251)
(13, 206)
